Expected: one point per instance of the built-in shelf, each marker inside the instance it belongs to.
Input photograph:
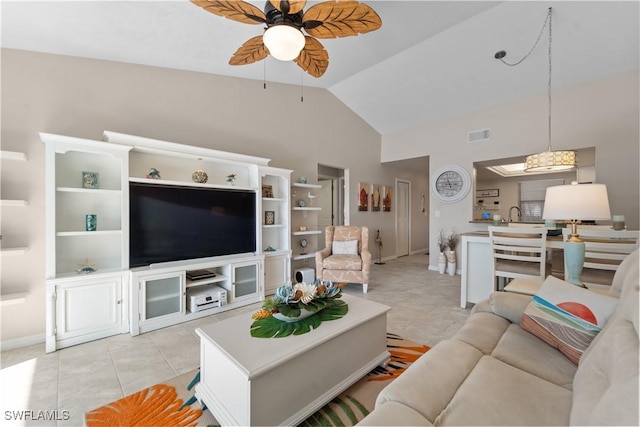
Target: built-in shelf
(305, 233)
(189, 184)
(306, 208)
(13, 155)
(301, 185)
(13, 203)
(87, 233)
(15, 298)
(87, 190)
(273, 226)
(304, 256)
(276, 252)
(273, 199)
(15, 251)
(217, 279)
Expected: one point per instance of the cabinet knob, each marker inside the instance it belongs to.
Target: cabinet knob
(119, 301)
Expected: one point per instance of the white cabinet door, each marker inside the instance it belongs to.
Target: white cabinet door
(246, 281)
(87, 310)
(162, 295)
(276, 272)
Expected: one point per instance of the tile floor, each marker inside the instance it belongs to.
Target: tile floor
(80, 378)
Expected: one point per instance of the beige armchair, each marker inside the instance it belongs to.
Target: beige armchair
(346, 257)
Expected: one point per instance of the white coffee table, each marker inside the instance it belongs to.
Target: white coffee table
(281, 381)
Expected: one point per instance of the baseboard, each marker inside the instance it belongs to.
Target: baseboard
(27, 341)
(420, 251)
(435, 268)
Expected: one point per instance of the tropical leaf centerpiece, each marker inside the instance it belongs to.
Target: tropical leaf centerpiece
(297, 309)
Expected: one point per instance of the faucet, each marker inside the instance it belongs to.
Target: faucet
(511, 209)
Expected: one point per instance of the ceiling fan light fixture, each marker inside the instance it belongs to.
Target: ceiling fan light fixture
(284, 41)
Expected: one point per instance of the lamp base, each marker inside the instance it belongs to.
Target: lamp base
(573, 262)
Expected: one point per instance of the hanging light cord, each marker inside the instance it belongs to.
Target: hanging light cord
(501, 54)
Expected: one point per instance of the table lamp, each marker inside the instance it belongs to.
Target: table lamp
(576, 202)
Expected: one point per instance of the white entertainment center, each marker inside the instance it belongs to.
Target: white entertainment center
(115, 298)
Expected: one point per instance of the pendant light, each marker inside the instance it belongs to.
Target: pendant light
(550, 160)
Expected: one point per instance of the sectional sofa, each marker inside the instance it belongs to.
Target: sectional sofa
(495, 372)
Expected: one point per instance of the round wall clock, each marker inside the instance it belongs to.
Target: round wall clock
(450, 183)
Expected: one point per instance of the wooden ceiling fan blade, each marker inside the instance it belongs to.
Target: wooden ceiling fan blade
(236, 10)
(289, 6)
(313, 58)
(253, 50)
(333, 19)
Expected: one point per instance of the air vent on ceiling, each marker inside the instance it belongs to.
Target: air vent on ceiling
(479, 135)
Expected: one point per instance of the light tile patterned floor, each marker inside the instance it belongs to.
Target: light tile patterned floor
(80, 378)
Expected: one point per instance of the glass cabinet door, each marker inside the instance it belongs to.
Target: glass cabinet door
(163, 296)
(245, 280)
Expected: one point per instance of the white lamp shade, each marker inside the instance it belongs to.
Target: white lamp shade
(284, 42)
(577, 202)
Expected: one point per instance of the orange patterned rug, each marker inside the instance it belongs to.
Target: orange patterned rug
(173, 403)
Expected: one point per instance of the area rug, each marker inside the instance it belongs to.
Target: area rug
(173, 404)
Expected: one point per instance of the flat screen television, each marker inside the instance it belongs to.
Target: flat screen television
(173, 223)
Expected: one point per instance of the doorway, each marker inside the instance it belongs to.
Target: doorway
(331, 198)
(403, 217)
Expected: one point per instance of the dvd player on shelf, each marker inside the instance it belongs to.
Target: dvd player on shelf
(204, 273)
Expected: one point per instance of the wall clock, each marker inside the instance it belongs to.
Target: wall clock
(450, 183)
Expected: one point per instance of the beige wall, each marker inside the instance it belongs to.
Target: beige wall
(82, 98)
(603, 114)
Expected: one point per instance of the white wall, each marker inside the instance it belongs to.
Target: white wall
(603, 114)
(83, 97)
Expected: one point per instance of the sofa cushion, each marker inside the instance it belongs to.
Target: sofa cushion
(394, 414)
(523, 350)
(430, 382)
(342, 262)
(497, 391)
(566, 316)
(484, 332)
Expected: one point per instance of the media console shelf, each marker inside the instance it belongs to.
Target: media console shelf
(113, 298)
(159, 294)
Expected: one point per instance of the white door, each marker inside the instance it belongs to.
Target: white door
(403, 217)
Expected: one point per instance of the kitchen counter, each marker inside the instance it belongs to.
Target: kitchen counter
(477, 281)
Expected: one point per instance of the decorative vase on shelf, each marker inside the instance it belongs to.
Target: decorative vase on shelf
(451, 263)
(199, 176)
(442, 263)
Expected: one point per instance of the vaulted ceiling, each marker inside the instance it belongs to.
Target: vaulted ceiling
(430, 60)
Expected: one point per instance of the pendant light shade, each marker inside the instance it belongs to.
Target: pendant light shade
(550, 161)
(284, 42)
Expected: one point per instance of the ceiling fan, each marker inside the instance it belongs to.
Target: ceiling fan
(283, 37)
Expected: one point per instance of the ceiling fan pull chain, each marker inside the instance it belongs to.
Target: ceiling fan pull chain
(301, 86)
(264, 75)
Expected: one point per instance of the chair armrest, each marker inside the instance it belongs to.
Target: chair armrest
(508, 305)
(321, 255)
(365, 254)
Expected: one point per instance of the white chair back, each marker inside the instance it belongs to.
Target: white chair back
(604, 251)
(519, 252)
